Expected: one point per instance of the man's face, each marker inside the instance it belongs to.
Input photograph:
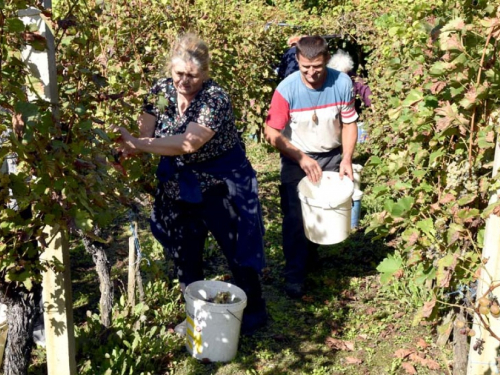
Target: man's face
(313, 71)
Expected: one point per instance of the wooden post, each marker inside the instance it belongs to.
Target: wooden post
(58, 306)
(57, 298)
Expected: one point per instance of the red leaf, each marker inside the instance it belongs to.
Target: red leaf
(336, 344)
(429, 363)
(403, 353)
(422, 343)
(437, 87)
(428, 307)
(370, 311)
(353, 361)
(447, 198)
(409, 368)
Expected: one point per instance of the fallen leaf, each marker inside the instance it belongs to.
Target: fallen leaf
(422, 343)
(363, 336)
(353, 361)
(403, 353)
(399, 315)
(370, 311)
(336, 344)
(409, 368)
(429, 363)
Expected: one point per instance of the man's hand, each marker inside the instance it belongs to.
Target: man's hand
(345, 169)
(311, 168)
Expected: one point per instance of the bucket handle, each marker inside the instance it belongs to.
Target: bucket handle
(335, 206)
(233, 315)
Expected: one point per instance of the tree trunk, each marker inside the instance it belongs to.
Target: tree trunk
(103, 269)
(22, 313)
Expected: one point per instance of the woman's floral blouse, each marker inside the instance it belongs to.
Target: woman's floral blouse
(211, 108)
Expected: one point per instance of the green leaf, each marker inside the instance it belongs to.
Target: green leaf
(102, 134)
(28, 110)
(453, 233)
(83, 220)
(388, 268)
(456, 24)
(437, 69)
(14, 25)
(406, 202)
(466, 199)
(444, 270)
(393, 31)
(491, 207)
(413, 97)
(483, 143)
(380, 189)
(435, 155)
(28, 283)
(427, 226)
(394, 113)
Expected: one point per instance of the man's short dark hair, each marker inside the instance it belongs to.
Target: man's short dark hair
(312, 46)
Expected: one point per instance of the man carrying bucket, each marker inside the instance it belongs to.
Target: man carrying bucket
(312, 122)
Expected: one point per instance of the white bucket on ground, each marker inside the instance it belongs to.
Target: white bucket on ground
(326, 208)
(213, 329)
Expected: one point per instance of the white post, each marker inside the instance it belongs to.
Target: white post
(131, 271)
(486, 362)
(57, 297)
(42, 64)
(58, 306)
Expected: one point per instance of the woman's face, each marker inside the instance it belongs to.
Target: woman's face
(188, 78)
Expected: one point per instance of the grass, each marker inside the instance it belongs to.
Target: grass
(346, 324)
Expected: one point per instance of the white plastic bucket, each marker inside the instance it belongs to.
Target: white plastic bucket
(326, 208)
(356, 208)
(213, 329)
(356, 171)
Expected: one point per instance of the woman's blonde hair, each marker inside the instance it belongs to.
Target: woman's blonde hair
(190, 48)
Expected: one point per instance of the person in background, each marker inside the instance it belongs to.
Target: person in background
(343, 62)
(205, 181)
(312, 123)
(288, 63)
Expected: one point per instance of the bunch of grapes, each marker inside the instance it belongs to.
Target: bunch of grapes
(489, 306)
(454, 176)
(458, 177)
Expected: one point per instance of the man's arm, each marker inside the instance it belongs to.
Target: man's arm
(349, 139)
(280, 142)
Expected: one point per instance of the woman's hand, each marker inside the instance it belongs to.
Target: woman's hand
(127, 143)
